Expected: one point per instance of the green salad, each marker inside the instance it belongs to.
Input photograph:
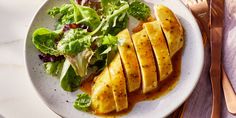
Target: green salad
(84, 40)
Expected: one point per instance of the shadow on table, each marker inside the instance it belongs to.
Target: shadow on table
(1, 116)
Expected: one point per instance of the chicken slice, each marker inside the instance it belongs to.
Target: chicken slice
(129, 60)
(118, 83)
(171, 27)
(146, 60)
(160, 49)
(102, 96)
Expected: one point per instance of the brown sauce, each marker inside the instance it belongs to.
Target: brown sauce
(86, 86)
(138, 96)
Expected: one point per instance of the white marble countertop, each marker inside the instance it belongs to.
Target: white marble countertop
(18, 99)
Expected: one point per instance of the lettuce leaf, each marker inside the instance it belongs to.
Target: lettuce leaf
(85, 15)
(80, 62)
(69, 81)
(53, 68)
(110, 40)
(74, 41)
(44, 40)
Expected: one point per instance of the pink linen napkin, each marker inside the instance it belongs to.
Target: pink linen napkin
(200, 102)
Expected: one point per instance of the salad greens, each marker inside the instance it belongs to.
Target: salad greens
(84, 40)
(44, 40)
(69, 80)
(86, 15)
(82, 102)
(139, 10)
(74, 41)
(80, 61)
(117, 18)
(65, 14)
(53, 68)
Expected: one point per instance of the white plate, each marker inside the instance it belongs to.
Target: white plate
(61, 102)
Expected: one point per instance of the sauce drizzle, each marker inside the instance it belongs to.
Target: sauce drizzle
(137, 96)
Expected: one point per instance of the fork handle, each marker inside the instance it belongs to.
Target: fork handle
(215, 70)
(216, 105)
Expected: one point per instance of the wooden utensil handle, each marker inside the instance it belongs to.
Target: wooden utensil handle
(216, 104)
(215, 70)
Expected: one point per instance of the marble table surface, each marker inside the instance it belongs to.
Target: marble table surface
(18, 99)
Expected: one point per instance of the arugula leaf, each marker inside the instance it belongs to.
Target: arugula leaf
(74, 41)
(80, 61)
(98, 58)
(116, 12)
(106, 46)
(65, 14)
(53, 68)
(83, 102)
(120, 25)
(86, 15)
(69, 81)
(62, 10)
(44, 40)
(54, 11)
(139, 10)
(109, 6)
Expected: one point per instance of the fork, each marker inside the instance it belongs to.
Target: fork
(200, 10)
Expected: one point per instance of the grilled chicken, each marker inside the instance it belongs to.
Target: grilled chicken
(102, 96)
(171, 27)
(136, 54)
(118, 83)
(129, 60)
(146, 60)
(160, 49)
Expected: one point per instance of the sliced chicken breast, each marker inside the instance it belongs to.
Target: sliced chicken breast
(146, 60)
(102, 96)
(129, 60)
(171, 27)
(160, 49)
(118, 83)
